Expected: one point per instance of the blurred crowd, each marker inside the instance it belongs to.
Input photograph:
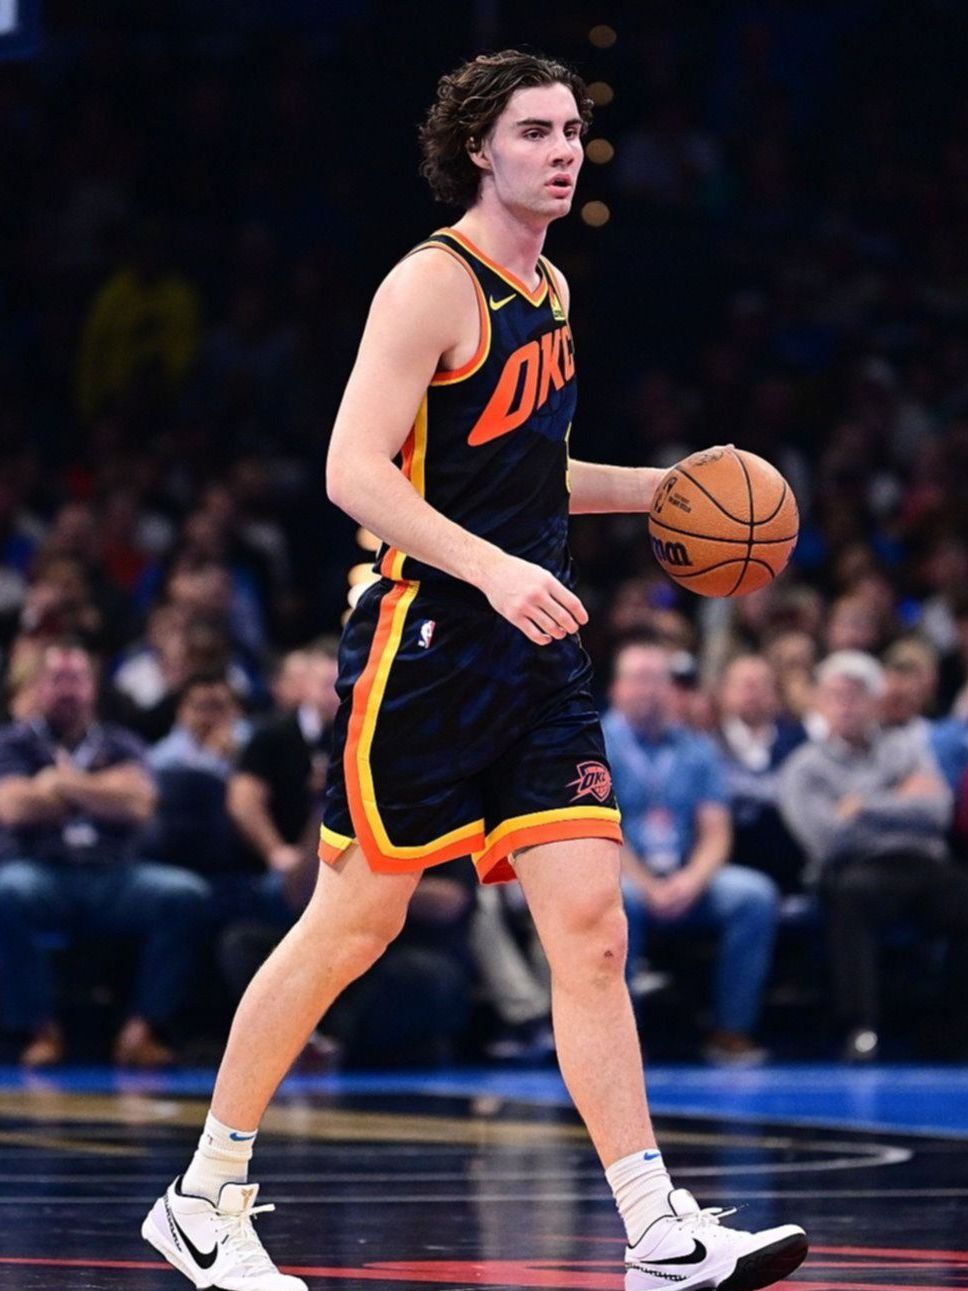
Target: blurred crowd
(189, 240)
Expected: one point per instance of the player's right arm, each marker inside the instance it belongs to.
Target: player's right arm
(425, 313)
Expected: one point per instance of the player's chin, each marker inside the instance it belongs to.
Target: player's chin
(556, 207)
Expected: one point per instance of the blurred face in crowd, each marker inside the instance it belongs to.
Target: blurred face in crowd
(851, 626)
(207, 707)
(748, 691)
(320, 688)
(908, 692)
(66, 689)
(642, 690)
(849, 708)
(289, 687)
(792, 651)
(206, 590)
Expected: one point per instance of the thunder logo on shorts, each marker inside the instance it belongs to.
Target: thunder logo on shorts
(456, 735)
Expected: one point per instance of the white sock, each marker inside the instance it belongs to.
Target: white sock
(640, 1185)
(223, 1156)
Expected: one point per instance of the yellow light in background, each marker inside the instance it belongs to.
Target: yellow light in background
(596, 214)
(368, 541)
(602, 36)
(357, 590)
(601, 93)
(600, 151)
(361, 574)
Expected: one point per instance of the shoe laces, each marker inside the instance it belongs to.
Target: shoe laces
(708, 1218)
(245, 1242)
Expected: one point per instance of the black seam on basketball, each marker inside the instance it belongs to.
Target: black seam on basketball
(776, 509)
(702, 489)
(749, 546)
(715, 537)
(708, 569)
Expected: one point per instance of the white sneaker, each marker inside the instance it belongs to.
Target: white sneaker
(690, 1248)
(215, 1245)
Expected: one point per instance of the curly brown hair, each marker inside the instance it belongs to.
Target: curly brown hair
(469, 101)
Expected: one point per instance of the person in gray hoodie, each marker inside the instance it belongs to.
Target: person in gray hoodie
(871, 810)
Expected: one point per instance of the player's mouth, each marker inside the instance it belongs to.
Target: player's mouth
(562, 184)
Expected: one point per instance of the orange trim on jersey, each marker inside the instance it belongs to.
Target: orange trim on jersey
(413, 468)
(493, 865)
(445, 376)
(383, 855)
(532, 297)
(554, 283)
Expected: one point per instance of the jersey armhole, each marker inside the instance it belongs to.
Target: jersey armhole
(444, 376)
(553, 283)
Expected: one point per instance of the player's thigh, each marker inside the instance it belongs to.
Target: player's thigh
(351, 896)
(573, 890)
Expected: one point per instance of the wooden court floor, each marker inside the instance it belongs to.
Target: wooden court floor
(379, 1183)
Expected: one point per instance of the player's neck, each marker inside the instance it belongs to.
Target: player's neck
(510, 241)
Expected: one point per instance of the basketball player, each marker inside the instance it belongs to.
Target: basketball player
(466, 724)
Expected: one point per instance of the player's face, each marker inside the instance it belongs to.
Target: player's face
(534, 152)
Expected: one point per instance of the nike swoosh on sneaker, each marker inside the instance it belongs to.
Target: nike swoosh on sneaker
(695, 1256)
(204, 1261)
(499, 304)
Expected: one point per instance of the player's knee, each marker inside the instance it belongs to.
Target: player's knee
(594, 940)
(370, 938)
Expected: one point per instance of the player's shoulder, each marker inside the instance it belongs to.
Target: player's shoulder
(430, 266)
(426, 284)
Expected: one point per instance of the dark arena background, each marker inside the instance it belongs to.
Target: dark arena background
(768, 247)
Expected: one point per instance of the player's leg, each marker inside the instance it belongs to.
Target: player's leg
(350, 920)
(202, 1225)
(573, 891)
(574, 895)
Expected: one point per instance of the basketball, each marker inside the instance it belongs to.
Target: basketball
(724, 522)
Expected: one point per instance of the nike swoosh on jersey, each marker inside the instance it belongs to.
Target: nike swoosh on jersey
(204, 1261)
(499, 304)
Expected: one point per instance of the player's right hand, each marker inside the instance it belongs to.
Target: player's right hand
(533, 600)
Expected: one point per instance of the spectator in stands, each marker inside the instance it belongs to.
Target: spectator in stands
(74, 795)
(671, 788)
(281, 773)
(792, 654)
(871, 811)
(910, 686)
(142, 330)
(755, 740)
(192, 765)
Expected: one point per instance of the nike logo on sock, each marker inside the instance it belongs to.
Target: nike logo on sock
(651, 1156)
(242, 1138)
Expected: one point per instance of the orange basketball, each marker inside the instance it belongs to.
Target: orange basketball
(723, 522)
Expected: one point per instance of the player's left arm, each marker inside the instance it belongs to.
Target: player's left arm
(599, 489)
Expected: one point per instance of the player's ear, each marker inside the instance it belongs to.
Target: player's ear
(479, 152)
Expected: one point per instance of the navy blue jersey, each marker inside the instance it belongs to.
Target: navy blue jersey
(489, 447)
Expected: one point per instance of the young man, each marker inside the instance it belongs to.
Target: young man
(466, 724)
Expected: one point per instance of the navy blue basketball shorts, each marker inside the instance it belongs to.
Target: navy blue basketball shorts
(457, 736)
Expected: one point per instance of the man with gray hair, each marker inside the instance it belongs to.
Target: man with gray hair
(871, 810)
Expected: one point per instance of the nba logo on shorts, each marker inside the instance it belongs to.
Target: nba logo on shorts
(593, 778)
(426, 633)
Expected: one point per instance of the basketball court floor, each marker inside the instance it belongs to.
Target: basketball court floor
(470, 1178)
